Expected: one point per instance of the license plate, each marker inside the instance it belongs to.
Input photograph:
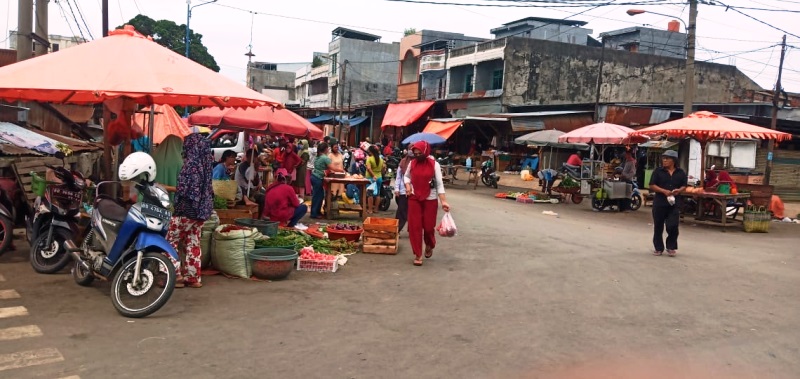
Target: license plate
(156, 211)
(65, 194)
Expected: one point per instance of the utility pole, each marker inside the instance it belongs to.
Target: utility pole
(689, 87)
(774, 124)
(599, 82)
(349, 104)
(341, 98)
(105, 18)
(24, 30)
(42, 34)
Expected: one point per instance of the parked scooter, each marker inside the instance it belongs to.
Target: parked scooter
(55, 221)
(128, 245)
(489, 176)
(387, 192)
(600, 202)
(7, 217)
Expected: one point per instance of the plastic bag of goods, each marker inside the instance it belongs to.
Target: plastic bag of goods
(206, 238)
(447, 227)
(230, 247)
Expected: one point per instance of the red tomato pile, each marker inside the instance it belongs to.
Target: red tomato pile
(308, 253)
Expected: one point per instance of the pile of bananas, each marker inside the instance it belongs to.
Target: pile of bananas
(64, 149)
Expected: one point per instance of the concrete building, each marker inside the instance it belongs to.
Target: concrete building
(423, 58)
(667, 43)
(276, 80)
(362, 70)
(57, 42)
(311, 83)
(567, 31)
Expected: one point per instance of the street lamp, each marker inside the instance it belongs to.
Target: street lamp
(186, 39)
(688, 94)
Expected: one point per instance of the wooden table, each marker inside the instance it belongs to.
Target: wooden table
(362, 187)
(473, 174)
(721, 201)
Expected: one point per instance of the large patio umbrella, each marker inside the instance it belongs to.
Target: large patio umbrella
(602, 134)
(125, 64)
(706, 126)
(166, 122)
(548, 138)
(265, 119)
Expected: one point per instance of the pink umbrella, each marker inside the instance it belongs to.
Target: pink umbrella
(602, 134)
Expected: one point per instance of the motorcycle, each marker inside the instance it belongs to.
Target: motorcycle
(489, 176)
(55, 221)
(386, 193)
(601, 202)
(7, 217)
(129, 245)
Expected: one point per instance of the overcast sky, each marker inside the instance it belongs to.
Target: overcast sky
(289, 31)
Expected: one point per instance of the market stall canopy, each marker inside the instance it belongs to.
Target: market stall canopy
(663, 144)
(602, 134)
(706, 126)
(444, 128)
(548, 138)
(404, 114)
(125, 64)
(262, 119)
(433, 139)
(167, 122)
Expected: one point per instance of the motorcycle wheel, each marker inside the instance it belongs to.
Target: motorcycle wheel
(50, 259)
(386, 201)
(494, 184)
(577, 199)
(156, 283)
(82, 276)
(486, 181)
(636, 202)
(598, 204)
(6, 233)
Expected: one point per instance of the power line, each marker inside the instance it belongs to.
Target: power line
(78, 7)
(758, 20)
(64, 15)
(541, 4)
(78, 24)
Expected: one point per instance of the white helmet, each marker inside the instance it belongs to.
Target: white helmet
(137, 164)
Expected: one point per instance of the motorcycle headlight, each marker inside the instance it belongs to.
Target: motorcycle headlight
(163, 198)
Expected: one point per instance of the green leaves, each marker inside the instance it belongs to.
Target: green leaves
(172, 36)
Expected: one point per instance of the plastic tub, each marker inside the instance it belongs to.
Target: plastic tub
(267, 228)
(349, 235)
(272, 263)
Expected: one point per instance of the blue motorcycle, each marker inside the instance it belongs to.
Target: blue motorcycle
(129, 246)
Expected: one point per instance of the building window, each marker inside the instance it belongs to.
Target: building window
(497, 79)
(334, 63)
(468, 82)
(54, 47)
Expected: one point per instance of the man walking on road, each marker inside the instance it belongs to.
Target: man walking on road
(666, 183)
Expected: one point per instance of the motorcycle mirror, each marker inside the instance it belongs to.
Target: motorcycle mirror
(60, 155)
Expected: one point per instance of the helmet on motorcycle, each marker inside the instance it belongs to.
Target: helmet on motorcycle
(137, 164)
(359, 155)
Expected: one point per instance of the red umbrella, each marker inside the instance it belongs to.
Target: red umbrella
(602, 134)
(262, 119)
(706, 126)
(166, 121)
(128, 65)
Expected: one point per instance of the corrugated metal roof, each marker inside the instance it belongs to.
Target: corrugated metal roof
(75, 144)
(536, 114)
(8, 149)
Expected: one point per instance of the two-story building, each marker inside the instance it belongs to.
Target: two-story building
(276, 80)
(666, 43)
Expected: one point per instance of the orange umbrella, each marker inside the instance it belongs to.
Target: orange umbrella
(262, 119)
(123, 65)
(444, 128)
(602, 134)
(166, 121)
(705, 126)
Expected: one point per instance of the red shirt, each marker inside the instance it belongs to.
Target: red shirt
(574, 160)
(280, 202)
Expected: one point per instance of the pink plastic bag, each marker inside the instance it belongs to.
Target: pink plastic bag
(447, 227)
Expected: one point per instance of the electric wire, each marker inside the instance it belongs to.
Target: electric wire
(80, 13)
(78, 24)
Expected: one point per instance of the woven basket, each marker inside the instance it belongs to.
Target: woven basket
(757, 220)
(225, 189)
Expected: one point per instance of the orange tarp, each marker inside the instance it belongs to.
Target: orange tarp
(263, 119)
(443, 128)
(124, 64)
(404, 114)
(166, 120)
(706, 126)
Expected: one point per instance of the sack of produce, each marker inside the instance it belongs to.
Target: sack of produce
(205, 239)
(230, 247)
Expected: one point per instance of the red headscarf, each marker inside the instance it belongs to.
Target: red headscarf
(422, 171)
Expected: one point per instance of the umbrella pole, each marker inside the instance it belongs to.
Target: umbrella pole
(252, 155)
(150, 129)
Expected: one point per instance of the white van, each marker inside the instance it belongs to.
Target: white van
(222, 140)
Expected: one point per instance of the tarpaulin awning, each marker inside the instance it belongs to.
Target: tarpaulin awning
(262, 119)
(322, 118)
(403, 114)
(352, 121)
(125, 64)
(28, 139)
(706, 126)
(166, 120)
(443, 128)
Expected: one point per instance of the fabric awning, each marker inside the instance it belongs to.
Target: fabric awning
(352, 121)
(403, 114)
(318, 119)
(443, 128)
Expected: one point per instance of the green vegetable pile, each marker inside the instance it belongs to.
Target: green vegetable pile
(569, 183)
(300, 240)
(220, 203)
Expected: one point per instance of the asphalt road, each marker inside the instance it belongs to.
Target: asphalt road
(517, 294)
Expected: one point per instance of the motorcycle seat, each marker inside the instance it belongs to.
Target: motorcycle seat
(111, 210)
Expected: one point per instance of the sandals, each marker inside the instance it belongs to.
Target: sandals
(428, 252)
(672, 253)
(194, 285)
(657, 253)
(418, 262)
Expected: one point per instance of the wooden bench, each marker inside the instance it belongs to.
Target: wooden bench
(23, 171)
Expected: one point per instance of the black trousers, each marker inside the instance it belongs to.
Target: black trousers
(669, 217)
(402, 211)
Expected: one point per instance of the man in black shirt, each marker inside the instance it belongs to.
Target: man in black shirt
(666, 183)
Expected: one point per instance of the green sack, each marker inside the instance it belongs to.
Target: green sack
(229, 251)
(205, 248)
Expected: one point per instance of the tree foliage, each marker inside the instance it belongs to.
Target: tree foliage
(172, 36)
(409, 31)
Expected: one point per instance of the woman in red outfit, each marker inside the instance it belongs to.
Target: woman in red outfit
(281, 203)
(424, 188)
